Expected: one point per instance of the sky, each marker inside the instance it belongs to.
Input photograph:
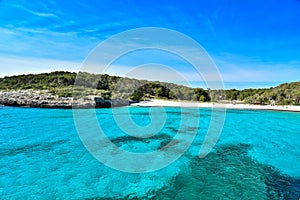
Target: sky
(249, 41)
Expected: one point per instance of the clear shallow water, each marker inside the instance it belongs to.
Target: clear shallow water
(256, 157)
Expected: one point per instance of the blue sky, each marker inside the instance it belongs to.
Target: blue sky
(248, 40)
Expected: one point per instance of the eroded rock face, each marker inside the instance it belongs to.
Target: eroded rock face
(44, 99)
(41, 99)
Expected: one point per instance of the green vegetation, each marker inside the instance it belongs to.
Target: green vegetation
(43, 81)
(284, 94)
(62, 84)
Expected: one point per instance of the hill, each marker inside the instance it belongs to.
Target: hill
(284, 94)
(61, 83)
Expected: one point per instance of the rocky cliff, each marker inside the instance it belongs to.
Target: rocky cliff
(42, 99)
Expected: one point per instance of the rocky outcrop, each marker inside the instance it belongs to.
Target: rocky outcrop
(42, 99)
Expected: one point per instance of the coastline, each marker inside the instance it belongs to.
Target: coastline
(169, 103)
(42, 99)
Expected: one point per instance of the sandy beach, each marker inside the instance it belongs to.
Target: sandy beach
(168, 103)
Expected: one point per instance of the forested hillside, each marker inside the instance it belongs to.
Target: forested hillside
(61, 83)
(38, 81)
(284, 94)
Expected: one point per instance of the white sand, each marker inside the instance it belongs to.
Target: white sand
(167, 103)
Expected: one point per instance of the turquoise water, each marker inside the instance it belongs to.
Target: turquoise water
(256, 157)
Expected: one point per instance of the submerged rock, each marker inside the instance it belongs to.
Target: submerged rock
(229, 173)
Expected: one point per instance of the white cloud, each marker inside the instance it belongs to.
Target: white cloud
(236, 68)
(39, 14)
(23, 65)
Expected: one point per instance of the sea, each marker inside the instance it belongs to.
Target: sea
(43, 156)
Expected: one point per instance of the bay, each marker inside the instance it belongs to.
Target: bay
(256, 157)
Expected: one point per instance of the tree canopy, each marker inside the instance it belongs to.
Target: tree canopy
(62, 84)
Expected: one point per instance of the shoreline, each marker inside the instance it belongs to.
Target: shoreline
(284, 108)
(169, 103)
(43, 99)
